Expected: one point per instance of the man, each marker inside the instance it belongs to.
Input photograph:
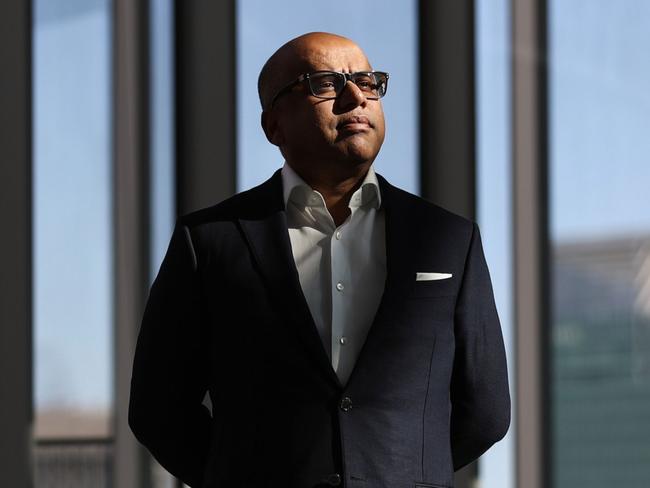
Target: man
(345, 330)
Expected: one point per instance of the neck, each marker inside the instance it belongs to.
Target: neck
(336, 184)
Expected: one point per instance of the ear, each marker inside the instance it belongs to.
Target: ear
(271, 127)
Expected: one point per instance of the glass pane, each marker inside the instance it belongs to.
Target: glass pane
(72, 241)
(162, 197)
(262, 27)
(600, 237)
(496, 466)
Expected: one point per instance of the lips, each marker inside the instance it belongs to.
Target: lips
(354, 123)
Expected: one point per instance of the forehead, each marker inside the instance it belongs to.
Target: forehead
(335, 56)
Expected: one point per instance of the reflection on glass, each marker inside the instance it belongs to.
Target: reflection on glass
(72, 219)
(600, 226)
(262, 27)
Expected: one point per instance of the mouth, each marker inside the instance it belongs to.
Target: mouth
(355, 123)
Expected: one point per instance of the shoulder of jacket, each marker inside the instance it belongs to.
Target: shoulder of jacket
(428, 210)
(241, 205)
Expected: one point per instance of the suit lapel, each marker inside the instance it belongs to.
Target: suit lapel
(400, 227)
(399, 257)
(268, 237)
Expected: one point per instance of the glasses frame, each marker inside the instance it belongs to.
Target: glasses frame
(348, 76)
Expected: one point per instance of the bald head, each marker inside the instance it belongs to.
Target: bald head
(295, 57)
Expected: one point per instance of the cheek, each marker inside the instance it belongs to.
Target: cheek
(324, 120)
(316, 121)
(309, 132)
(380, 124)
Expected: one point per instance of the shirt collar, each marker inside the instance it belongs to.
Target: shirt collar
(294, 188)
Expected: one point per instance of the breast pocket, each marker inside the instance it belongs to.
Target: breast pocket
(434, 288)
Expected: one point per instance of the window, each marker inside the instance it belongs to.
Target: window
(494, 200)
(600, 243)
(72, 218)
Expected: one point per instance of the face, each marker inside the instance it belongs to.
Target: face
(309, 130)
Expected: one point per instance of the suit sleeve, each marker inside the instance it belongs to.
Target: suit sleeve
(169, 378)
(480, 398)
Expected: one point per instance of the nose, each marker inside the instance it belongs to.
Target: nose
(351, 96)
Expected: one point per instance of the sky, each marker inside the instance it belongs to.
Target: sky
(599, 107)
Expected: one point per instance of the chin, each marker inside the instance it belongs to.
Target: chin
(361, 154)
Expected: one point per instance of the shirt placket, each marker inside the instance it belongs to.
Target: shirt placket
(341, 292)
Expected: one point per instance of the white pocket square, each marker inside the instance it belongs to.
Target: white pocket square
(431, 276)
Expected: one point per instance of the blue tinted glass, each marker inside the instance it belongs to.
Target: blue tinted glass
(162, 197)
(72, 181)
(496, 466)
(600, 230)
(163, 183)
(262, 27)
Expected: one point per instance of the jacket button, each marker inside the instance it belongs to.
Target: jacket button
(334, 479)
(346, 404)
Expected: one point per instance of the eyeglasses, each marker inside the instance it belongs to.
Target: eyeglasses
(330, 84)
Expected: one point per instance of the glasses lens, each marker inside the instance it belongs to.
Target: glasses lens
(372, 84)
(326, 84)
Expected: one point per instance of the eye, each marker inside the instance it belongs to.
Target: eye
(366, 83)
(323, 84)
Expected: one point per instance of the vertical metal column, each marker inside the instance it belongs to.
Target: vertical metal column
(131, 222)
(447, 104)
(205, 103)
(448, 118)
(16, 243)
(531, 239)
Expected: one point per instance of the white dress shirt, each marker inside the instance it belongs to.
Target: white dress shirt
(342, 269)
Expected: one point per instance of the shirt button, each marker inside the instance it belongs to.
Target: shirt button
(338, 235)
(346, 404)
(339, 286)
(334, 479)
(343, 340)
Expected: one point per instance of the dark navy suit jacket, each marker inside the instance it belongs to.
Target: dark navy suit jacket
(226, 315)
